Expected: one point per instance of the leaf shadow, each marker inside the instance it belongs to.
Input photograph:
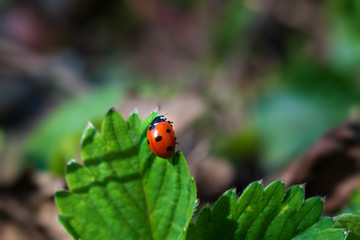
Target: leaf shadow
(103, 183)
(112, 156)
(215, 224)
(223, 224)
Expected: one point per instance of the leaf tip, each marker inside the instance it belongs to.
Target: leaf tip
(197, 201)
(71, 161)
(260, 181)
(112, 109)
(89, 125)
(134, 111)
(156, 109)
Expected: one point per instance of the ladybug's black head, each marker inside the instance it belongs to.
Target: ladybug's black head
(156, 120)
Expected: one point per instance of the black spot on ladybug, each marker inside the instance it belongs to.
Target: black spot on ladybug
(158, 138)
(151, 127)
(169, 148)
(148, 141)
(168, 131)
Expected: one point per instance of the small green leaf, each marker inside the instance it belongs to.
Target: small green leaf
(350, 222)
(123, 191)
(215, 224)
(270, 213)
(321, 230)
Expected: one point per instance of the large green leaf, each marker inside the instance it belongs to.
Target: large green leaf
(272, 213)
(124, 191)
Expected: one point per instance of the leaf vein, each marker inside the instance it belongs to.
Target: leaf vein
(99, 212)
(176, 205)
(264, 207)
(158, 193)
(118, 208)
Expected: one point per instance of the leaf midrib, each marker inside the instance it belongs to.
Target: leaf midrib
(147, 212)
(176, 205)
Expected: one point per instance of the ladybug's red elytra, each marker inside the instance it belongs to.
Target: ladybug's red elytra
(161, 137)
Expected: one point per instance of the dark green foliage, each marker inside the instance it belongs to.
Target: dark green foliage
(270, 213)
(351, 222)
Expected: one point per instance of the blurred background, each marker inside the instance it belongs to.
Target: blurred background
(257, 89)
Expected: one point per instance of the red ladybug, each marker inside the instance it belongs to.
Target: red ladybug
(161, 137)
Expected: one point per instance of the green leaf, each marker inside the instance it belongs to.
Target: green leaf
(215, 224)
(123, 191)
(350, 222)
(270, 213)
(321, 230)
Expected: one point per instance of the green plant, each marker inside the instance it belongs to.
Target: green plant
(272, 213)
(123, 191)
(350, 222)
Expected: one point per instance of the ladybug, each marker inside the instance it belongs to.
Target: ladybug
(161, 137)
